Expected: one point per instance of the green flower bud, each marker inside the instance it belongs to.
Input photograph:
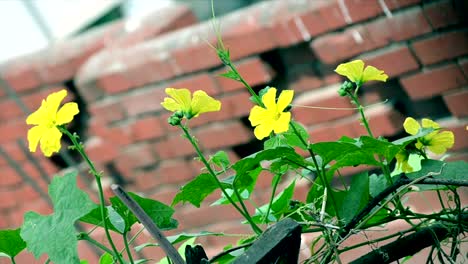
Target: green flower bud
(346, 87)
(174, 120)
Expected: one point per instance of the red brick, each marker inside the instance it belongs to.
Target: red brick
(254, 71)
(223, 135)
(383, 121)
(459, 130)
(287, 32)
(433, 82)
(9, 177)
(326, 97)
(397, 4)
(115, 82)
(394, 61)
(13, 130)
(197, 82)
(321, 133)
(21, 76)
(34, 100)
(107, 111)
(173, 172)
(304, 80)
(147, 128)
(194, 217)
(133, 157)
(144, 101)
(173, 146)
(143, 67)
(8, 198)
(456, 102)
(464, 66)
(10, 110)
(100, 150)
(195, 57)
(117, 135)
(164, 194)
(441, 14)
(442, 47)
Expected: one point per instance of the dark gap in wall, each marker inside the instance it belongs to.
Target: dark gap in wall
(248, 148)
(80, 122)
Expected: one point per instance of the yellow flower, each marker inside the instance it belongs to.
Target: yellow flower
(356, 73)
(46, 119)
(191, 107)
(437, 142)
(272, 117)
(402, 161)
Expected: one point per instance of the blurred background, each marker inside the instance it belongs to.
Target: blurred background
(115, 58)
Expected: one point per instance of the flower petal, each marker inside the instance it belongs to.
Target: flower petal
(373, 74)
(263, 130)
(269, 99)
(353, 70)
(171, 105)
(34, 136)
(66, 113)
(427, 123)
(202, 103)
(50, 141)
(181, 96)
(411, 126)
(40, 116)
(258, 115)
(54, 100)
(284, 99)
(441, 142)
(282, 124)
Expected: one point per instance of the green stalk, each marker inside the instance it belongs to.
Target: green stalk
(275, 185)
(12, 260)
(127, 248)
(245, 214)
(97, 176)
(86, 237)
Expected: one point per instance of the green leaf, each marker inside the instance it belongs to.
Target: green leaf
(275, 141)
(94, 217)
(230, 75)
(281, 202)
(116, 220)
(456, 170)
(196, 190)
(244, 187)
(221, 160)
(160, 213)
(122, 210)
(293, 139)
(11, 242)
(3, 255)
(377, 183)
(407, 140)
(106, 258)
(84, 261)
(55, 234)
(179, 238)
(356, 197)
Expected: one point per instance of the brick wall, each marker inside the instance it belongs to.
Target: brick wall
(118, 77)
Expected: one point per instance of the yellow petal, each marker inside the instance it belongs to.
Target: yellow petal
(263, 130)
(182, 97)
(269, 99)
(38, 117)
(373, 74)
(411, 126)
(50, 141)
(427, 123)
(54, 100)
(282, 124)
(353, 70)
(284, 99)
(202, 103)
(258, 115)
(34, 135)
(66, 113)
(171, 105)
(441, 142)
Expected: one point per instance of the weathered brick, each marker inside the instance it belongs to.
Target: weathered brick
(223, 135)
(326, 97)
(21, 75)
(195, 57)
(108, 111)
(441, 14)
(12, 130)
(383, 120)
(134, 157)
(173, 172)
(441, 47)
(115, 82)
(145, 101)
(8, 198)
(304, 79)
(393, 60)
(173, 146)
(147, 128)
(164, 194)
(9, 109)
(456, 103)
(100, 150)
(254, 71)
(196, 82)
(433, 82)
(10, 177)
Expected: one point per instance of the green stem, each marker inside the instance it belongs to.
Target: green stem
(251, 91)
(275, 185)
(245, 214)
(127, 248)
(86, 237)
(13, 260)
(97, 176)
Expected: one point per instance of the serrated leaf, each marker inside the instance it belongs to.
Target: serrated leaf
(196, 190)
(456, 170)
(127, 216)
(278, 207)
(293, 139)
(179, 238)
(55, 234)
(355, 198)
(116, 220)
(221, 159)
(11, 242)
